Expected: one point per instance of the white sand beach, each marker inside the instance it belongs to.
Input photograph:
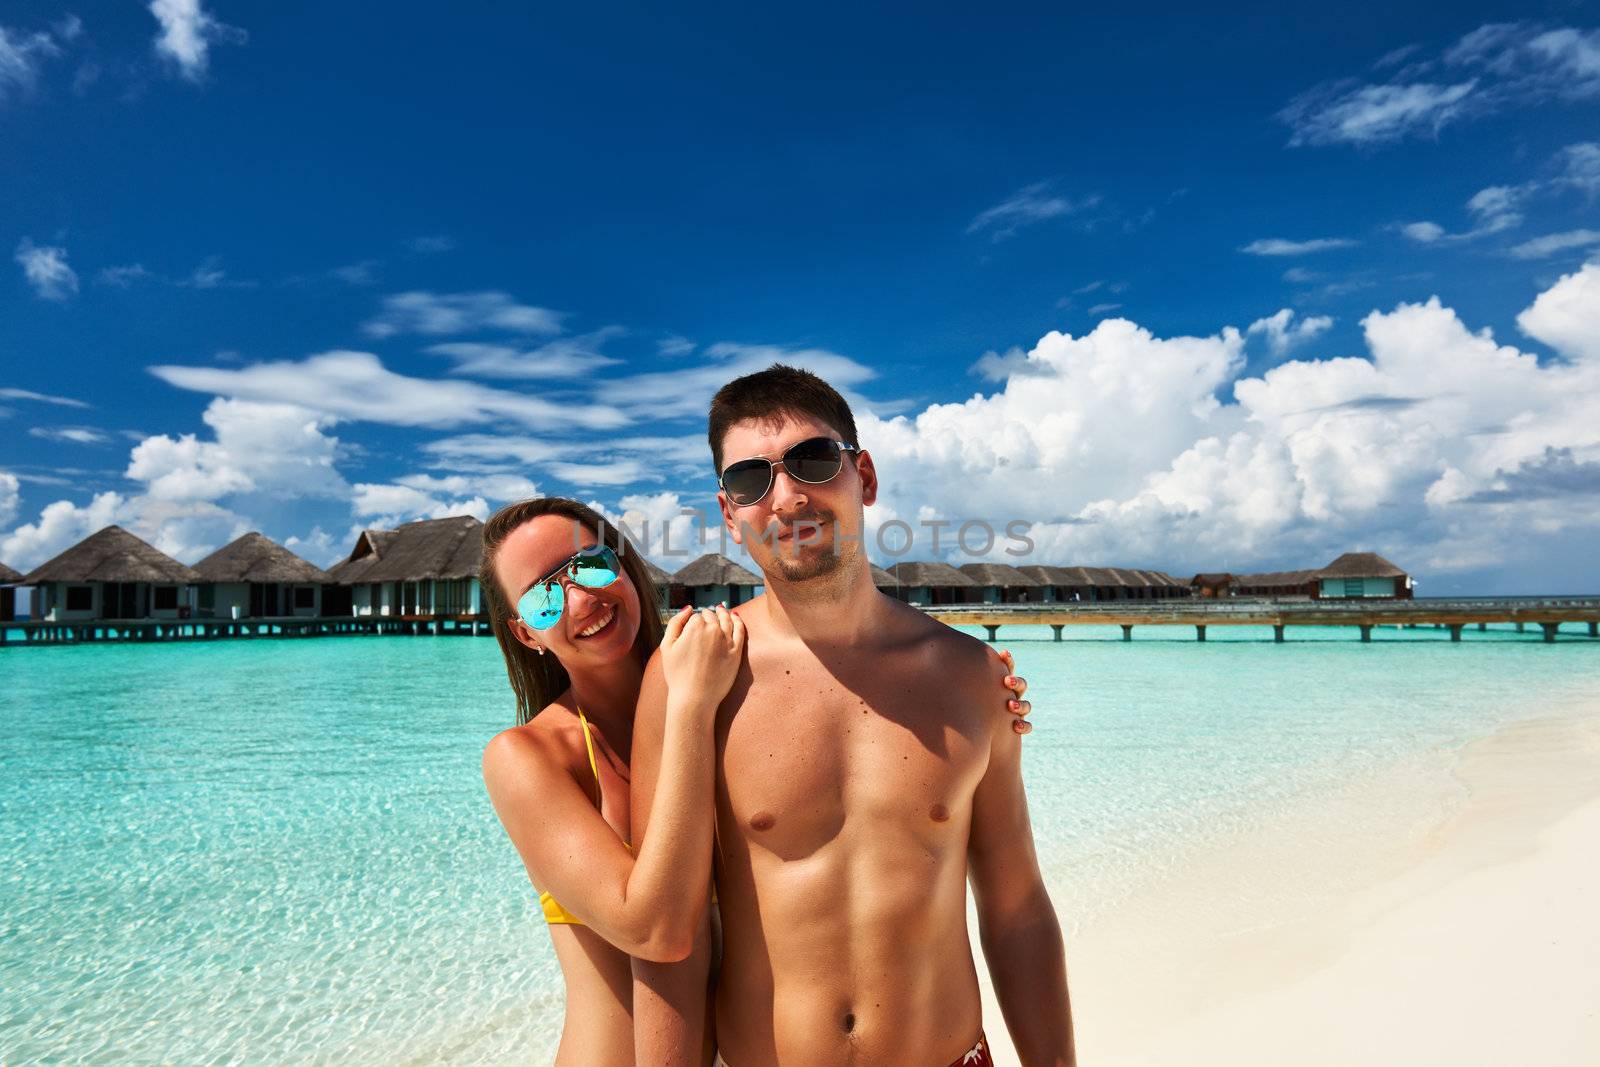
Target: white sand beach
(1456, 924)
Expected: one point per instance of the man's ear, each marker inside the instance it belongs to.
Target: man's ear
(869, 477)
(728, 521)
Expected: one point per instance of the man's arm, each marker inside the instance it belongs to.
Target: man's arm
(1016, 921)
(669, 999)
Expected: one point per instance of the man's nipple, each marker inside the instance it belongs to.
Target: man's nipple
(762, 820)
(939, 813)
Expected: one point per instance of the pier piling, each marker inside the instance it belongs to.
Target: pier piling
(1366, 632)
(1277, 633)
(1127, 632)
(1199, 633)
(1550, 629)
(1058, 627)
(993, 629)
(1455, 632)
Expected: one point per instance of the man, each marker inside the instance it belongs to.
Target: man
(862, 778)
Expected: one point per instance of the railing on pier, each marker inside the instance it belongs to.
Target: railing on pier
(1548, 613)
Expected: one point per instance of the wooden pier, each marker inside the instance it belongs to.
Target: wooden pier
(1546, 614)
(1543, 615)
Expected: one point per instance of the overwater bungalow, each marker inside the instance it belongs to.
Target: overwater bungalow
(932, 583)
(1277, 584)
(111, 574)
(713, 579)
(1000, 583)
(8, 595)
(882, 579)
(420, 570)
(1362, 574)
(1211, 584)
(255, 577)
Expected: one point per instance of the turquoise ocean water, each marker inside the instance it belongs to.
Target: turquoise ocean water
(281, 851)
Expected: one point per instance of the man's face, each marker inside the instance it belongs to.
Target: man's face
(797, 531)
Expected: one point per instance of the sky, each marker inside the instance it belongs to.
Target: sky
(1177, 289)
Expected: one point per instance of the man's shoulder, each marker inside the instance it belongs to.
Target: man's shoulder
(958, 657)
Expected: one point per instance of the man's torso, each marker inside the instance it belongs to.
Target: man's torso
(844, 795)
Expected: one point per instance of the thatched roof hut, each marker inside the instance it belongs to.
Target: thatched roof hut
(1360, 565)
(881, 578)
(999, 574)
(1046, 574)
(8, 576)
(112, 555)
(258, 559)
(714, 568)
(934, 575)
(414, 551)
(657, 575)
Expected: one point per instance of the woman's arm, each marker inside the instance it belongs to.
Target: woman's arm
(651, 904)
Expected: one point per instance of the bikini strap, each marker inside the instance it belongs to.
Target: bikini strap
(594, 766)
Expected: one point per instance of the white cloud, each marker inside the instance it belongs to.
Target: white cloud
(1416, 449)
(1029, 205)
(60, 525)
(565, 357)
(356, 386)
(1567, 315)
(675, 346)
(1580, 168)
(277, 450)
(21, 57)
(10, 498)
(1424, 232)
(1282, 333)
(321, 547)
(45, 267)
(43, 398)
(389, 505)
(687, 392)
(124, 276)
(1494, 68)
(1277, 246)
(439, 314)
(80, 435)
(1550, 244)
(187, 33)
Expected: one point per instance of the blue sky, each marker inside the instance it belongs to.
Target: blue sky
(302, 269)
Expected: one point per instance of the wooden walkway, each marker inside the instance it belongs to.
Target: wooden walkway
(1547, 614)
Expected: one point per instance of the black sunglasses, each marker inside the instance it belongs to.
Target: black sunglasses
(814, 461)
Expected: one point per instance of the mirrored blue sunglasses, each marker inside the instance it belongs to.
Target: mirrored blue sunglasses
(594, 567)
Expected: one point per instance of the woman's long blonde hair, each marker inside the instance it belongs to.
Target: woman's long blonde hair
(537, 680)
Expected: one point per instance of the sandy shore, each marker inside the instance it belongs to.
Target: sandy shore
(1445, 912)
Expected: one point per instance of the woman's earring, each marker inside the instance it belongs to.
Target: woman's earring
(539, 649)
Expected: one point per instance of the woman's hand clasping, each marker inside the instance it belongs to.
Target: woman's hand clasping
(700, 653)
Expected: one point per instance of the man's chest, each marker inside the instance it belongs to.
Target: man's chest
(806, 754)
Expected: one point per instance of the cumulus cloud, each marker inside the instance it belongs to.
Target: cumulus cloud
(1027, 206)
(187, 33)
(1278, 246)
(1283, 333)
(277, 450)
(1402, 448)
(1496, 67)
(1567, 315)
(356, 386)
(45, 267)
(439, 314)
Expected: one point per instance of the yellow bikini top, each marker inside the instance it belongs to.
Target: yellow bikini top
(554, 913)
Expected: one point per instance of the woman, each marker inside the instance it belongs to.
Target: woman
(575, 613)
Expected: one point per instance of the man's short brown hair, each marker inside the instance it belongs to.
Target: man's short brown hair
(772, 393)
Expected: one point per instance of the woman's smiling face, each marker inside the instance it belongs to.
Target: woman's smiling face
(597, 626)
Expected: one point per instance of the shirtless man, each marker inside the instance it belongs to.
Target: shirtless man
(862, 780)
